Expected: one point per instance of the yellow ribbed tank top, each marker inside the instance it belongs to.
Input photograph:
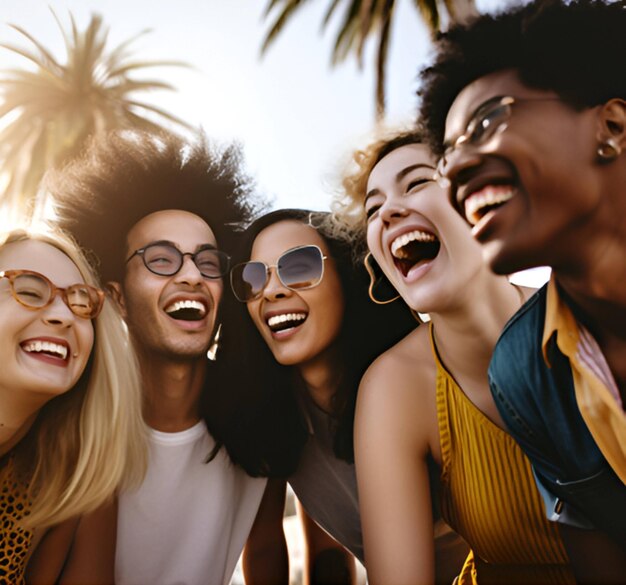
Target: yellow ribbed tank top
(489, 496)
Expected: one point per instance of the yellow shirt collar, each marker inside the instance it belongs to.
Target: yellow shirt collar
(560, 320)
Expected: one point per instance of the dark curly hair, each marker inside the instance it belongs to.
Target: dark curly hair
(125, 176)
(576, 49)
(259, 420)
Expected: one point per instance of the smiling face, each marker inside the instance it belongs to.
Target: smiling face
(173, 316)
(298, 326)
(422, 245)
(532, 187)
(46, 350)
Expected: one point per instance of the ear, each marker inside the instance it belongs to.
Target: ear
(612, 122)
(115, 290)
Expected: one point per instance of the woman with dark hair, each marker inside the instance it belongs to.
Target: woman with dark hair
(427, 398)
(307, 335)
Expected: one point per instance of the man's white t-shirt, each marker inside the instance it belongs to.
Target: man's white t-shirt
(188, 522)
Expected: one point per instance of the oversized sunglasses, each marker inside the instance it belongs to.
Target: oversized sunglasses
(166, 260)
(297, 269)
(34, 291)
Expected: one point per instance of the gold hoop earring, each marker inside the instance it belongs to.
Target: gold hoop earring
(212, 351)
(370, 290)
(608, 150)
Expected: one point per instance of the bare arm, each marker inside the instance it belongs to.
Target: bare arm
(391, 448)
(78, 551)
(265, 556)
(325, 560)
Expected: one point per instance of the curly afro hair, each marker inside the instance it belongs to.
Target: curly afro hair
(575, 49)
(125, 176)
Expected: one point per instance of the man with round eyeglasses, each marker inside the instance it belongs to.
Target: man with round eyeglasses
(528, 116)
(155, 212)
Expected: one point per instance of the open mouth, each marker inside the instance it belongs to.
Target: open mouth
(286, 321)
(49, 348)
(186, 310)
(479, 204)
(413, 248)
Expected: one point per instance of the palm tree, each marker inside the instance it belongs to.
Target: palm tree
(364, 19)
(46, 115)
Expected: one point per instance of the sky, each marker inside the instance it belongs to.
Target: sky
(297, 118)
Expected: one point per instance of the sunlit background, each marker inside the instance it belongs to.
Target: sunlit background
(297, 117)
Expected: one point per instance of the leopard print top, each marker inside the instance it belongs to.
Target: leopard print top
(15, 541)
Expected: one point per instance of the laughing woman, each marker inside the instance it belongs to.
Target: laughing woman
(428, 396)
(70, 420)
(311, 332)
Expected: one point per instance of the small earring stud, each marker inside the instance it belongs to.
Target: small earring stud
(609, 150)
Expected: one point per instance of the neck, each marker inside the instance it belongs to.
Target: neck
(320, 377)
(594, 277)
(16, 417)
(598, 299)
(467, 333)
(171, 392)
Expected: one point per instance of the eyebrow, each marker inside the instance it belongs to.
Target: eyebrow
(403, 173)
(199, 247)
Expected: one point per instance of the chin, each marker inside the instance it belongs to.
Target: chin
(503, 262)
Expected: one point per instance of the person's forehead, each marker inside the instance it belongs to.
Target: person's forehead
(472, 96)
(183, 228)
(408, 155)
(279, 237)
(40, 257)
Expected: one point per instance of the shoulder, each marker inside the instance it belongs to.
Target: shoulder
(397, 392)
(403, 365)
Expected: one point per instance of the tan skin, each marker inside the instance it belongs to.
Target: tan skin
(310, 350)
(173, 358)
(396, 426)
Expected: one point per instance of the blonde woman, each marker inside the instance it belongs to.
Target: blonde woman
(70, 414)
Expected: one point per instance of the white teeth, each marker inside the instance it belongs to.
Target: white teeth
(488, 196)
(178, 305)
(404, 239)
(276, 319)
(47, 346)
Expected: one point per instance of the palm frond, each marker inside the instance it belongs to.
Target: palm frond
(128, 67)
(347, 36)
(291, 6)
(46, 56)
(329, 12)
(49, 113)
(162, 113)
(429, 11)
(381, 60)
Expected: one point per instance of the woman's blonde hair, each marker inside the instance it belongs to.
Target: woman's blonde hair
(348, 212)
(91, 440)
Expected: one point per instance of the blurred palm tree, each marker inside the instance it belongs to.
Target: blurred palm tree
(364, 19)
(46, 115)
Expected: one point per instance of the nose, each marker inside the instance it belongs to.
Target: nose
(458, 163)
(456, 169)
(58, 314)
(189, 273)
(393, 209)
(275, 289)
